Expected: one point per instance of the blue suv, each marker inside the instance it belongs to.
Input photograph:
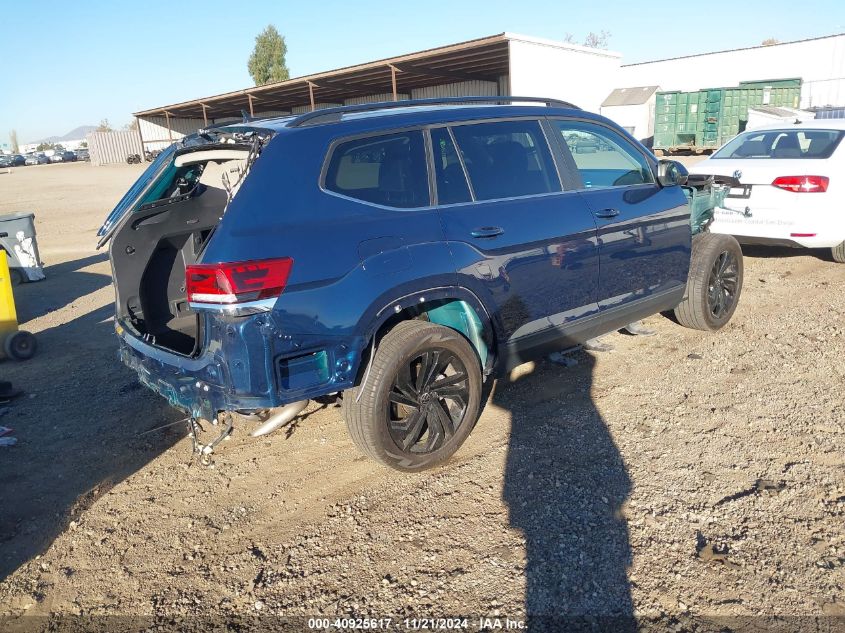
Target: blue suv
(403, 254)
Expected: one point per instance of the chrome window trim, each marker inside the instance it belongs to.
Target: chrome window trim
(616, 187)
(375, 204)
(495, 200)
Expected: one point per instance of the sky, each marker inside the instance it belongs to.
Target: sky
(75, 63)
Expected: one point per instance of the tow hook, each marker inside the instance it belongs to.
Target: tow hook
(746, 212)
(205, 450)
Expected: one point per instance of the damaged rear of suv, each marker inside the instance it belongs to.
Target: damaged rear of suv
(182, 323)
(399, 254)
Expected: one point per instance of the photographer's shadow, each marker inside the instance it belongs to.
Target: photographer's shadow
(565, 485)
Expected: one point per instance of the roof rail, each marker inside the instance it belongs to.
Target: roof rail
(334, 114)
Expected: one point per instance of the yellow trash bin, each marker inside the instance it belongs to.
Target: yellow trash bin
(17, 344)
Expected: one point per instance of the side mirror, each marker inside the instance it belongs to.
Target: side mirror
(671, 173)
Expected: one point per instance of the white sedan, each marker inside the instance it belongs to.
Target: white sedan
(787, 185)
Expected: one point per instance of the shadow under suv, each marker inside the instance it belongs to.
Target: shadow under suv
(403, 254)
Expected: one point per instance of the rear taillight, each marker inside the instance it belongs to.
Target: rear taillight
(802, 184)
(237, 282)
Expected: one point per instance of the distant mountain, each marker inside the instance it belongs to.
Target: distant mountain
(75, 134)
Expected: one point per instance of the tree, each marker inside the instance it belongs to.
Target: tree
(267, 63)
(770, 41)
(593, 40)
(84, 145)
(597, 40)
(42, 146)
(104, 126)
(132, 125)
(13, 139)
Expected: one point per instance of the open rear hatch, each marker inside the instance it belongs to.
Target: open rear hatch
(163, 224)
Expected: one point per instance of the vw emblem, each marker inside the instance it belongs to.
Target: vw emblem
(737, 174)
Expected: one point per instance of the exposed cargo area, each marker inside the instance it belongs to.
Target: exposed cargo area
(164, 233)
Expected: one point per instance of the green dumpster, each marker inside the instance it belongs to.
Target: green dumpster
(706, 119)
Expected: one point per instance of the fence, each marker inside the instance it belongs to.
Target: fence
(113, 147)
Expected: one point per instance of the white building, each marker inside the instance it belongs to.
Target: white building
(510, 64)
(504, 64)
(819, 62)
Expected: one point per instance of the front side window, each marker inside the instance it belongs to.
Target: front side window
(782, 144)
(603, 157)
(506, 159)
(389, 170)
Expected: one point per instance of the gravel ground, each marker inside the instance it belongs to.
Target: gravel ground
(682, 478)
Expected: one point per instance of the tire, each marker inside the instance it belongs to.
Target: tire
(403, 424)
(838, 253)
(714, 283)
(20, 345)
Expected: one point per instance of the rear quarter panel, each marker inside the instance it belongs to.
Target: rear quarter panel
(351, 259)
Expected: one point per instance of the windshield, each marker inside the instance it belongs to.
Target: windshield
(788, 144)
(150, 174)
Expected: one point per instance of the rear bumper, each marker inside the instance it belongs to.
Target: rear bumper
(810, 230)
(767, 241)
(198, 386)
(247, 364)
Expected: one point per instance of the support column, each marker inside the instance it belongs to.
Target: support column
(204, 114)
(311, 95)
(251, 110)
(140, 133)
(393, 81)
(169, 130)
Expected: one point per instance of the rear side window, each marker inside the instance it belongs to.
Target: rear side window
(451, 181)
(782, 144)
(603, 157)
(506, 159)
(389, 170)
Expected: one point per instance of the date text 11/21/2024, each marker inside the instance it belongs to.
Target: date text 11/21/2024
(417, 624)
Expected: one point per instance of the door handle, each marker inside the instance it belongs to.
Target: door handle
(487, 231)
(607, 213)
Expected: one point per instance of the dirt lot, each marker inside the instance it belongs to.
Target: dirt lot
(683, 475)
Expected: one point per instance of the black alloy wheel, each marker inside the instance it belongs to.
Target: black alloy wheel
(419, 399)
(714, 284)
(722, 285)
(428, 401)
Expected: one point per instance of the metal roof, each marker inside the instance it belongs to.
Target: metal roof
(629, 96)
(485, 58)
